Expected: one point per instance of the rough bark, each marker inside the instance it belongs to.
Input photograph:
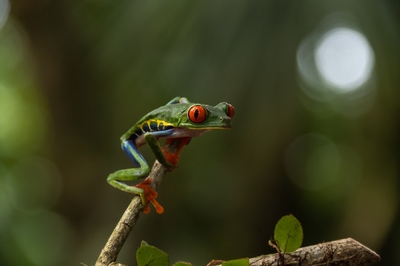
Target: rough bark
(109, 253)
(344, 252)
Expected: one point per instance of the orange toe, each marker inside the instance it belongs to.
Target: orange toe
(150, 195)
(157, 206)
(146, 210)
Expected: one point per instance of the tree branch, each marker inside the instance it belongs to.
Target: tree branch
(109, 253)
(340, 252)
(344, 252)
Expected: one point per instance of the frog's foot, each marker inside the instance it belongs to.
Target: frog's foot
(150, 195)
(173, 158)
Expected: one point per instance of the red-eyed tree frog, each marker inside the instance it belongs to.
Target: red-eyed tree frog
(179, 118)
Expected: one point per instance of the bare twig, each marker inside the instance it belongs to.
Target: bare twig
(109, 253)
(346, 252)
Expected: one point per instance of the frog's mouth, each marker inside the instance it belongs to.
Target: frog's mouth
(180, 132)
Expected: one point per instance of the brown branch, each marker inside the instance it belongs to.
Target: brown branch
(344, 252)
(109, 253)
(340, 252)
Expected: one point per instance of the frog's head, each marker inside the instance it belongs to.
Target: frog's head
(202, 116)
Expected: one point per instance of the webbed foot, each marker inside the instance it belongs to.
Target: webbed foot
(149, 195)
(173, 158)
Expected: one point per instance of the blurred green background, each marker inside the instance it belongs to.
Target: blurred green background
(315, 86)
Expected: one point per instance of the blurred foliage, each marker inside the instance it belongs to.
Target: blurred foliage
(75, 75)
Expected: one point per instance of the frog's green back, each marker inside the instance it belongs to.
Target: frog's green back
(167, 115)
(181, 114)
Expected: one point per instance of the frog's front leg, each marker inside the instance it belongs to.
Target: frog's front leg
(145, 192)
(173, 158)
(169, 160)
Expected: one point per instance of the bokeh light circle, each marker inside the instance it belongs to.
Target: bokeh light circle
(344, 58)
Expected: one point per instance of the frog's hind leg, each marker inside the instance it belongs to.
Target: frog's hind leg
(142, 189)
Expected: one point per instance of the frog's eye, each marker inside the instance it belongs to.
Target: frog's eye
(197, 114)
(230, 111)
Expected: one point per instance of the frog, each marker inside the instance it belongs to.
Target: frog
(178, 119)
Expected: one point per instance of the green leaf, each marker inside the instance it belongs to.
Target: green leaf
(148, 255)
(288, 234)
(181, 263)
(238, 262)
(144, 243)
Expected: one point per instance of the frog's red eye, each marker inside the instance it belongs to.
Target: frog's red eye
(230, 111)
(197, 114)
